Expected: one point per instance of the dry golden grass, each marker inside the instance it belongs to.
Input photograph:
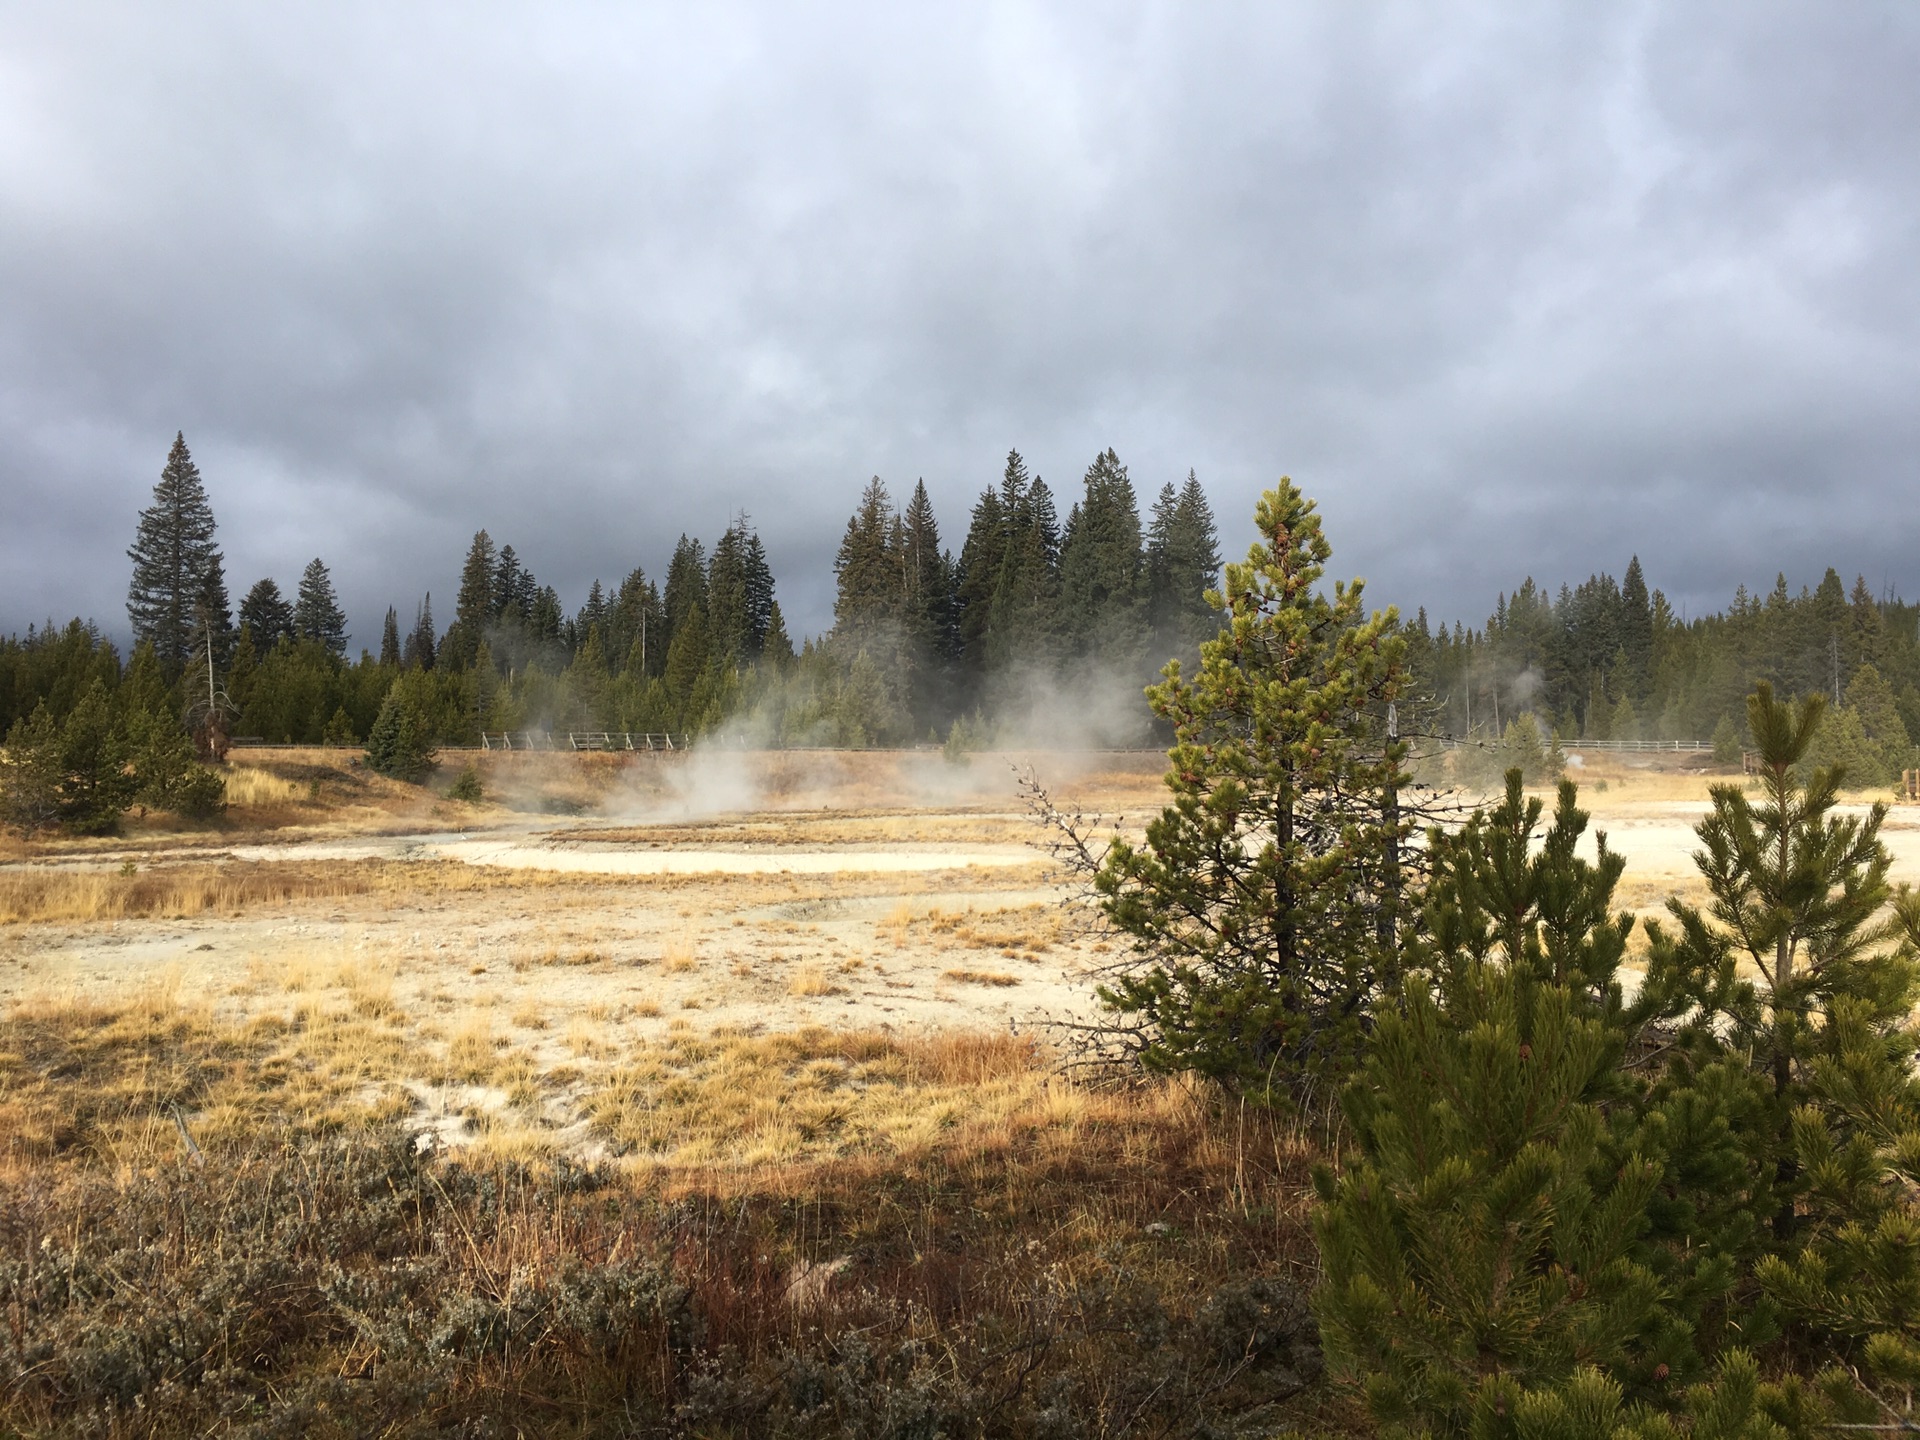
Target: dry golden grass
(811, 980)
(679, 957)
(339, 1052)
(1032, 928)
(563, 955)
(173, 892)
(979, 977)
(249, 787)
(734, 1100)
(977, 1191)
(587, 1041)
(106, 1080)
(185, 890)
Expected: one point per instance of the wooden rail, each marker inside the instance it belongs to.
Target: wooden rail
(582, 740)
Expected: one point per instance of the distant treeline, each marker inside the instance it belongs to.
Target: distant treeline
(1038, 628)
(1610, 660)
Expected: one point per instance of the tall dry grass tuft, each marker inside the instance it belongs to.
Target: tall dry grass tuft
(250, 788)
(172, 892)
(810, 981)
(183, 891)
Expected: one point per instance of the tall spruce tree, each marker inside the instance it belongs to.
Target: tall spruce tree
(267, 615)
(981, 557)
(1023, 628)
(1183, 563)
(1102, 571)
(1636, 630)
(1162, 622)
(316, 610)
(869, 605)
(514, 588)
(1261, 903)
(921, 563)
(930, 611)
(739, 595)
(177, 569)
(685, 590)
(390, 639)
(757, 575)
(473, 605)
(636, 627)
(419, 652)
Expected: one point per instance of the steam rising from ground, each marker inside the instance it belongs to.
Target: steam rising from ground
(720, 779)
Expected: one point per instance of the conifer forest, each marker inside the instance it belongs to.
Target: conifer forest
(1034, 628)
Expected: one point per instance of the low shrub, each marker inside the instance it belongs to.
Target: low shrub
(361, 1286)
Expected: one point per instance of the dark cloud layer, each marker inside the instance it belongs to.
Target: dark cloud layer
(1510, 289)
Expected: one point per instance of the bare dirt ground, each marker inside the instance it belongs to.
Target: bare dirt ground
(936, 909)
(500, 969)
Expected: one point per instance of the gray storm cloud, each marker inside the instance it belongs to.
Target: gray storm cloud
(1509, 289)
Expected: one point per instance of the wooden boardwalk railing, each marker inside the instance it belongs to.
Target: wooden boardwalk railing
(582, 740)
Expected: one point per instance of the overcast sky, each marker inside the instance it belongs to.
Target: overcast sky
(1512, 289)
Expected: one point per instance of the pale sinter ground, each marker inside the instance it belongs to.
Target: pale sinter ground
(720, 895)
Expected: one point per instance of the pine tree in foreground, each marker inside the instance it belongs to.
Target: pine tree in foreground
(1260, 905)
(1797, 894)
(1528, 1223)
(176, 567)
(1570, 1214)
(1800, 901)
